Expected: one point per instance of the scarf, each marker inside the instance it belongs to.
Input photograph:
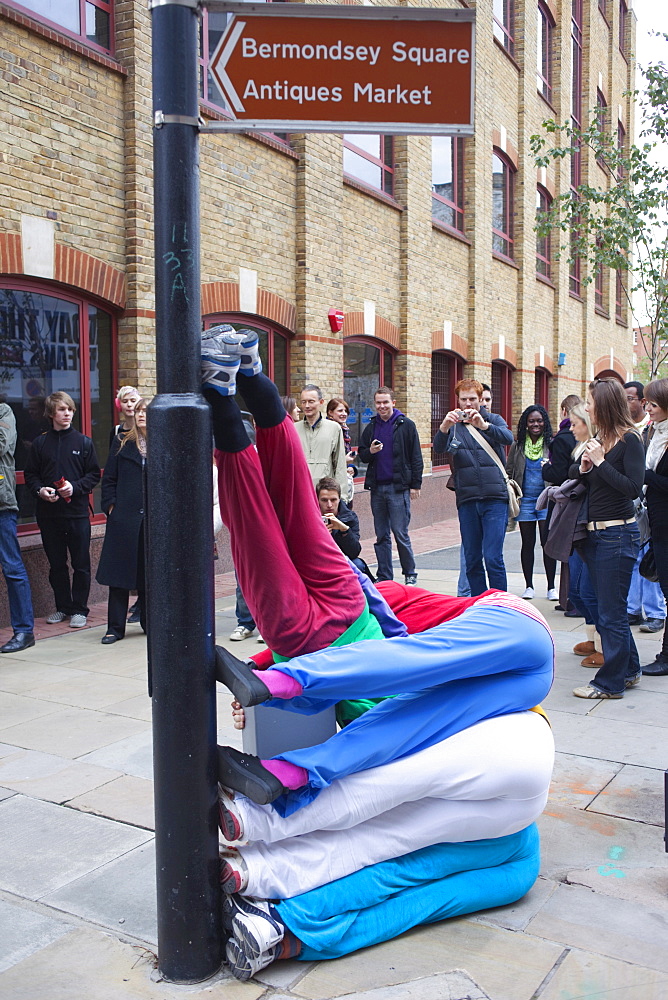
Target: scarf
(657, 445)
(533, 450)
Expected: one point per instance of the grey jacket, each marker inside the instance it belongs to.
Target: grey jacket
(7, 448)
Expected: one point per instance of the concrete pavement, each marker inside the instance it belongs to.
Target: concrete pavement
(77, 911)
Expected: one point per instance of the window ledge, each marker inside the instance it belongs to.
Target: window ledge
(449, 231)
(504, 260)
(545, 281)
(373, 192)
(574, 295)
(623, 55)
(600, 311)
(60, 38)
(604, 18)
(507, 54)
(217, 114)
(621, 322)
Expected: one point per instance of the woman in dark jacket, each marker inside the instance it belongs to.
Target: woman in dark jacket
(525, 465)
(613, 468)
(656, 495)
(121, 565)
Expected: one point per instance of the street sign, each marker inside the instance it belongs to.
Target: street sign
(314, 68)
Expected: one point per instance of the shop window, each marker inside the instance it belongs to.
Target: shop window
(274, 349)
(447, 181)
(543, 243)
(542, 385)
(502, 390)
(446, 370)
(89, 21)
(370, 159)
(366, 366)
(44, 335)
(544, 52)
(503, 14)
(503, 182)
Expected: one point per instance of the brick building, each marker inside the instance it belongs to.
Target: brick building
(426, 245)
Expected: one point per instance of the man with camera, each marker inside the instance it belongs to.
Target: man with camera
(391, 447)
(480, 483)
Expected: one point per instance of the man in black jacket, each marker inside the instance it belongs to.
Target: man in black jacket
(391, 447)
(62, 469)
(480, 485)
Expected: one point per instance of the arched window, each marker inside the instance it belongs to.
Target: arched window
(446, 371)
(502, 390)
(49, 340)
(367, 364)
(503, 197)
(274, 347)
(542, 385)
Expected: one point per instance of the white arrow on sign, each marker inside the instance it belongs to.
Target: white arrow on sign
(224, 50)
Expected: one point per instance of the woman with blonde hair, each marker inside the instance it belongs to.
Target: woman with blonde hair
(612, 465)
(121, 566)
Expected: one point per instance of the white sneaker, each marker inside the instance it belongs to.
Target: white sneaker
(242, 965)
(552, 594)
(56, 618)
(240, 632)
(251, 923)
(260, 639)
(77, 621)
(529, 594)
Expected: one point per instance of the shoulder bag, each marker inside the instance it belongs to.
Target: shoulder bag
(514, 489)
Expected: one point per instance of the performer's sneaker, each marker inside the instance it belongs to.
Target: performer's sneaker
(233, 871)
(244, 344)
(252, 923)
(239, 677)
(229, 819)
(246, 774)
(243, 965)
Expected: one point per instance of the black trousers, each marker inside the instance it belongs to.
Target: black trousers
(60, 536)
(117, 610)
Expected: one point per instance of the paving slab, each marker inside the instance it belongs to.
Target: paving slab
(444, 986)
(138, 707)
(74, 731)
(48, 776)
(283, 975)
(634, 793)
(598, 978)
(118, 895)
(25, 931)
(607, 739)
(20, 709)
(516, 916)
(92, 964)
(619, 929)
(57, 656)
(645, 708)
(28, 678)
(46, 846)
(127, 799)
(576, 781)
(86, 691)
(133, 755)
(6, 793)
(505, 965)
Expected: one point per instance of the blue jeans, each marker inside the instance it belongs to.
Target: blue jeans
(242, 612)
(482, 524)
(14, 572)
(645, 596)
(392, 512)
(580, 591)
(463, 588)
(610, 555)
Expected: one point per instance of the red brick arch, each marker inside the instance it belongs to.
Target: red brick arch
(223, 297)
(353, 326)
(72, 267)
(458, 344)
(602, 364)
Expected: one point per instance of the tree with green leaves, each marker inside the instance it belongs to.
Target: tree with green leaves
(622, 222)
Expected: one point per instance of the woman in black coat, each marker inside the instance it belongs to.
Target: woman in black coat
(656, 495)
(121, 566)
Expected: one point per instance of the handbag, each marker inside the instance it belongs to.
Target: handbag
(642, 519)
(514, 489)
(647, 566)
